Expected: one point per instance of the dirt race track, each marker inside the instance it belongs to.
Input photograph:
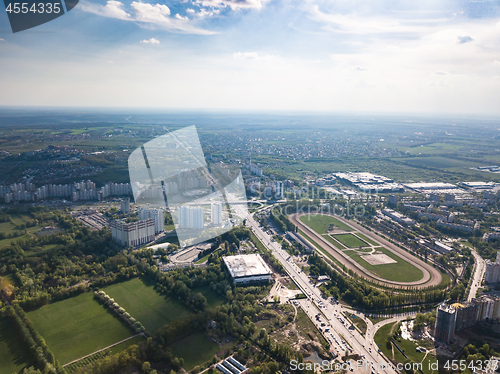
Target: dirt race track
(431, 275)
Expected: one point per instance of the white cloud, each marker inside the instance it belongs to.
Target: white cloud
(150, 41)
(496, 62)
(2, 40)
(246, 55)
(178, 16)
(233, 4)
(189, 10)
(251, 56)
(112, 9)
(359, 68)
(157, 16)
(441, 73)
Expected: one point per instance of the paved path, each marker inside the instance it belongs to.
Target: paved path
(103, 349)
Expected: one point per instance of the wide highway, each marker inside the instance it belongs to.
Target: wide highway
(336, 328)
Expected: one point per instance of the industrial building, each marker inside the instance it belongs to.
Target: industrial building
(247, 268)
(134, 233)
(369, 182)
(296, 237)
(231, 366)
(157, 214)
(398, 217)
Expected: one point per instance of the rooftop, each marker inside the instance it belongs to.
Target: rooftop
(246, 265)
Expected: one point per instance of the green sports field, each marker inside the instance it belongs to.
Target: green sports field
(143, 303)
(321, 223)
(77, 326)
(350, 241)
(402, 271)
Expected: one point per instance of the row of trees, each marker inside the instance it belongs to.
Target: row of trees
(38, 349)
(112, 305)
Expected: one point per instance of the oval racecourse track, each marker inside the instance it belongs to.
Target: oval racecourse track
(431, 276)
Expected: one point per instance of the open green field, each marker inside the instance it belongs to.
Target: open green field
(366, 239)
(195, 349)
(350, 241)
(381, 336)
(14, 356)
(402, 271)
(143, 303)
(213, 298)
(77, 326)
(320, 223)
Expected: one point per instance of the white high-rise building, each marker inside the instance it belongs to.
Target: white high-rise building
(134, 233)
(492, 274)
(216, 214)
(191, 217)
(125, 206)
(279, 190)
(157, 214)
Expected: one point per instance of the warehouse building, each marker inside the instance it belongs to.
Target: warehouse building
(248, 268)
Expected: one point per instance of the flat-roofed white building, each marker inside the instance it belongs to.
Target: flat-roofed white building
(248, 268)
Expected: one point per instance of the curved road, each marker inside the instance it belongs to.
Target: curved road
(431, 276)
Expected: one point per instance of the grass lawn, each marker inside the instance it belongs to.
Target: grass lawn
(77, 326)
(143, 303)
(350, 240)
(213, 298)
(381, 338)
(402, 271)
(366, 239)
(321, 223)
(335, 243)
(358, 322)
(195, 349)
(14, 356)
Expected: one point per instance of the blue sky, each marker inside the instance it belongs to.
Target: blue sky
(311, 55)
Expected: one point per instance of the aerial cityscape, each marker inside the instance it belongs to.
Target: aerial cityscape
(369, 249)
(250, 187)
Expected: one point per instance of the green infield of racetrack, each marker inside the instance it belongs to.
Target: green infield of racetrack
(78, 326)
(350, 241)
(335, 243)
(366, 239)
(402, 271)
(146, 305)
(320, 223)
